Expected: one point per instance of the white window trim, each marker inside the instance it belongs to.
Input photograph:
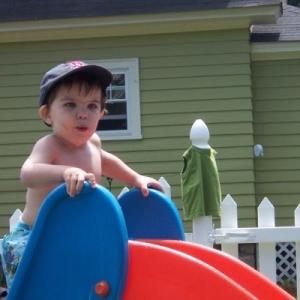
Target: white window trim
(131, 66)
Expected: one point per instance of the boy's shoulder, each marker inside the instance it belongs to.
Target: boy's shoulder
(46, 143)
(95, 139)
(47, 139)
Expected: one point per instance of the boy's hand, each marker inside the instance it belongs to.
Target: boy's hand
(143, 182)
(75, 178)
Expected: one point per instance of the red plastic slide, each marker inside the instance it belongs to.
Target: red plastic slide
(242, 274)
(157, 272)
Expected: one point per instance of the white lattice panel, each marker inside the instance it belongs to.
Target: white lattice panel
(286, 262)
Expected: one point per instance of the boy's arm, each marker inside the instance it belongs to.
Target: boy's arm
(38, 171)
(115, 168)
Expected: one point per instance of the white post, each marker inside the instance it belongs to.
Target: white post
(124, 190)
(202, 229)
(229, 219)
(267, 251)
(166, 186)
(297, 224)
(13, 221)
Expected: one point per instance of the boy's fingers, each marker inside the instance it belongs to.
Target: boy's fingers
(91, 179)
(79, 183)
(145, 191)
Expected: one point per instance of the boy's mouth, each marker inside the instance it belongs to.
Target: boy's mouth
(82, 128)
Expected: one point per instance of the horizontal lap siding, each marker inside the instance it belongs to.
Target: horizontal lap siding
(277, 127)
(183, 77)
(211, 83)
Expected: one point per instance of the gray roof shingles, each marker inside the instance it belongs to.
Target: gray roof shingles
(287, 27)
(25, 10)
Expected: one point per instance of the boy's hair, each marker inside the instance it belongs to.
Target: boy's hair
(85, 82)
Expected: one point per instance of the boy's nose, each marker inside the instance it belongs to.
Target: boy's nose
(82, 114)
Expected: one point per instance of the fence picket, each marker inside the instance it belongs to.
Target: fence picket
(166, 186)
(229, 219)
(14, 219)
(124, 190)
(266, 251)
(266, 214)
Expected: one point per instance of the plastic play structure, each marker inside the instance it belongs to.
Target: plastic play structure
(94, 247)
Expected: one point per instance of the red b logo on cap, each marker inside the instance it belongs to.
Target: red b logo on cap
(76, 64)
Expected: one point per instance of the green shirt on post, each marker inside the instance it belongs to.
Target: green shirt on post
(200, 184)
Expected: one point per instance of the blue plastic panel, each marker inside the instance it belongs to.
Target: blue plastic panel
(76, 242)
(151, 217)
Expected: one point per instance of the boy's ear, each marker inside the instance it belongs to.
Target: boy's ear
(44, 114)
(102, 113)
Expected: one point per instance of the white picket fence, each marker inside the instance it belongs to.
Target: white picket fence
(266, 235)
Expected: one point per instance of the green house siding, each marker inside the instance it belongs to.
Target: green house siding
(183, 77)
(276, 104)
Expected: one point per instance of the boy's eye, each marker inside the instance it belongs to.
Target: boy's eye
(93, 106)
(69, 104)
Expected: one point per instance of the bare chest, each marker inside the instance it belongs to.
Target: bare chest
(88, 159)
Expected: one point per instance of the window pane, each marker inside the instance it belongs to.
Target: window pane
(112, 124)
(117, 88)
(118, 80)
(118, 94)
(114, 93)
(116, 117)
(116, 108)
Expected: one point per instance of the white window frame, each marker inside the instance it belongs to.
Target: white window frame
(131, 67)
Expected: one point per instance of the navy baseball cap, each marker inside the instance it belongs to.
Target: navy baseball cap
(63, 70)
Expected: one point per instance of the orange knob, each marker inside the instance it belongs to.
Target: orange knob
(102, 288)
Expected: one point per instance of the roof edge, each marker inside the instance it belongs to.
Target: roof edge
(58, 29)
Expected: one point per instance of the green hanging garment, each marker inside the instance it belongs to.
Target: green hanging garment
(200, 184)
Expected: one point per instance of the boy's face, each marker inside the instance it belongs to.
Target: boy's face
(74, 113)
